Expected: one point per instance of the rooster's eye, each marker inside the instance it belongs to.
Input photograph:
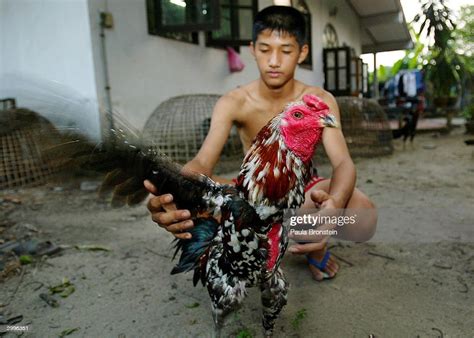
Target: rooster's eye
(298, 115)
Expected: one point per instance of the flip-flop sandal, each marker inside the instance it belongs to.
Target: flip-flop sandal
(321, 265)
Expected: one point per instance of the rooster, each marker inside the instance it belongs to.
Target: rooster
(238, 239)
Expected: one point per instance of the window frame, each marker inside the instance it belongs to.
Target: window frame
(337, 91)
(155, 25)
(235, 40)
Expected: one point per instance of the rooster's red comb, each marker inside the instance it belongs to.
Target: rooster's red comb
(314, 102)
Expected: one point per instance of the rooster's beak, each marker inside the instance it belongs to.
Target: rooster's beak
(329, 120)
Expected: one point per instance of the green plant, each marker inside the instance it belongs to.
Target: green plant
(244, 333)
(444, 66)
(299, 316)
(468, 112)
(444, 70)
(436, 21)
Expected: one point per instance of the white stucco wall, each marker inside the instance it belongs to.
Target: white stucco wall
(146, 70)
(347, 26)
(46, 60)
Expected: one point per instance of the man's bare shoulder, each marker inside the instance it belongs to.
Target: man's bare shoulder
(238, 101)
(234, 98)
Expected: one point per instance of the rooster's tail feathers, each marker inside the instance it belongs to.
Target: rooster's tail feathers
(203, 232)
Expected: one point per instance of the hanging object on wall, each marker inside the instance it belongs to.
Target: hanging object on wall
(235, 63)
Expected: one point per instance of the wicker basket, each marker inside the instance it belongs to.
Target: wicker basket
(179, 126)
(24, 137)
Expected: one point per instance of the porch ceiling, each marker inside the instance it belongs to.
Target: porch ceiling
(383, 25)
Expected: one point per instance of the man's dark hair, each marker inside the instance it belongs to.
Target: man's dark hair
(281, 19)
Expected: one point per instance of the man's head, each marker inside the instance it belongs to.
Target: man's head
(281, 19)
(278, 44)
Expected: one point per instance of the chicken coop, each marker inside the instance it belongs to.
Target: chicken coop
(24, 139)
(365, 126)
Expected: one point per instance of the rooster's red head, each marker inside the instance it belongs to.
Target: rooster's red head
(302, 125)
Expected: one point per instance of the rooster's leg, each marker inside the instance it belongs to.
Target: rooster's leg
(274, 295)
(226, 296)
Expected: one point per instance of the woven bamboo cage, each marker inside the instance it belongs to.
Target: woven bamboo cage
(179, 125)
(24, 138)
(365, 127)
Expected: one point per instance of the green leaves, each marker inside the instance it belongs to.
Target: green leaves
(437, 20)
(26, 259)
(299, 316)
(64, 289)
(192, 306)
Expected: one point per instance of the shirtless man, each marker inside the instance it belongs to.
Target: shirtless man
(278, 47)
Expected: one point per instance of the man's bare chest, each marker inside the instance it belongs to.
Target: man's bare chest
(250, 126)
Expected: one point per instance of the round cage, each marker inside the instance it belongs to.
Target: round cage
(24, 139)
(365, 127)
(179, 126)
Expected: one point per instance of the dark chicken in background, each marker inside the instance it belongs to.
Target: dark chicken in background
(238, 239)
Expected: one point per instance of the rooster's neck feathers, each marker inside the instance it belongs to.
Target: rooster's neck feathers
(272, 177)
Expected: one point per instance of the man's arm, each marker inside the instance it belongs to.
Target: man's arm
(344, 174)
(208, 155)
(163, 210)
(342, 180)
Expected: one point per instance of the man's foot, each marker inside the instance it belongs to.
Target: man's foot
(322, 264)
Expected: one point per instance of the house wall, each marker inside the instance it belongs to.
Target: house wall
(347, 26)
(145, 70)
(46, 60)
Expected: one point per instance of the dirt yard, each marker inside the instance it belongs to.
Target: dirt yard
(415, 278)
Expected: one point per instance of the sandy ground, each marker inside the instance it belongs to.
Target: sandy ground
(414, 279)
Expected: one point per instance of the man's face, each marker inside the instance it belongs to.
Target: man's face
(277, 55)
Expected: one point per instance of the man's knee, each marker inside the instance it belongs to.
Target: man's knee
(368, 222)
(371, 219)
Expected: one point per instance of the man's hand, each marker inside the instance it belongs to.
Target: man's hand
(323, 200)
(328, 205)
(165, 214)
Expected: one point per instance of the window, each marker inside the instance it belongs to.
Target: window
(344, 73)
(337, 73)
(236, 23)
(330, 39)
(180, 19)
(303, 8)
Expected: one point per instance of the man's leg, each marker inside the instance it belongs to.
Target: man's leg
(365, 228)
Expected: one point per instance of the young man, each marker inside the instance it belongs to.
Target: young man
(278, 47)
